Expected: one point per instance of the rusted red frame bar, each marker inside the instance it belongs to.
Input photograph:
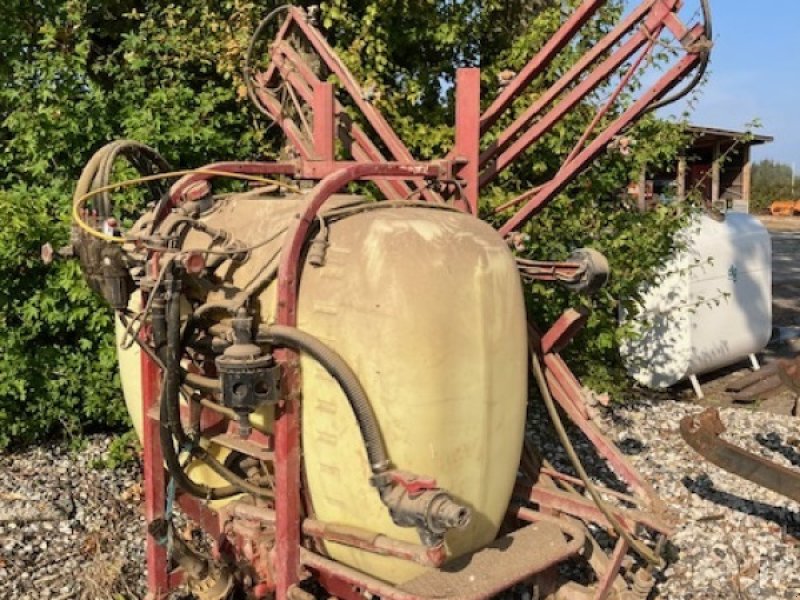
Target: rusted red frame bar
(393, 143)
(342, 580)
(667, 82)
(468, 136)
(301, 78)
(539, 62)
(648, 50)
(158, 582)
(585, 509)
(507, 149)
(287, 422)
(324, 122)
(567, 392)
(298, 74)
(572, 75)
(609, 577)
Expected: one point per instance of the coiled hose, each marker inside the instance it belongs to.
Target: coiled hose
(97, 172)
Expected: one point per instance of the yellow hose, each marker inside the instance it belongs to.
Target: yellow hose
(81, 200)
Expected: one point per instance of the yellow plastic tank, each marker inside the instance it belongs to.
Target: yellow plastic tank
(426, 307)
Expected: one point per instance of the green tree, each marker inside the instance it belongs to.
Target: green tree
(772, 181)
(75, 74)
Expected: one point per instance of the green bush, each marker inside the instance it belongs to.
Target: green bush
(75, 74)
(81, 74)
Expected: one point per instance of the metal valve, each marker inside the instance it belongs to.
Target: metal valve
(249, 377)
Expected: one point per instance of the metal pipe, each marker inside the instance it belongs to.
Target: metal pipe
(638, 546)
(538, 63)
(352, 577)
(565, 176)
(355, 537)
(566, 80)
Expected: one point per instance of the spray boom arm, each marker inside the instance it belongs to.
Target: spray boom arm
(293, 91)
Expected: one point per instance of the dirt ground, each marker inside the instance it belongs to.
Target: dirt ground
(785, 232)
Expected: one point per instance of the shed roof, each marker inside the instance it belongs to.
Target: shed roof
(711, 135)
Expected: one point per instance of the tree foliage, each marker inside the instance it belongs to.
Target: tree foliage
(75, 74)
(772, 181)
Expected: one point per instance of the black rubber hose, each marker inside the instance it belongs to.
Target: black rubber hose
(172, 358)
(281, 335)
(158, 323)
(700, 72)
(97, 172)
(171, 429)
(173, 463)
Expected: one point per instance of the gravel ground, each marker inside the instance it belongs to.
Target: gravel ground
(87, 542)
(734, 541)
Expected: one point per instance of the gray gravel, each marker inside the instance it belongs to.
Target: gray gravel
(87, 542)
(735, 540)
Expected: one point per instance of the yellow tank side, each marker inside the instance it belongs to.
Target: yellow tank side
(426, 306)
(130, 370)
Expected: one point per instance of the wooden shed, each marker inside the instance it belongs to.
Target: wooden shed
(717, 166)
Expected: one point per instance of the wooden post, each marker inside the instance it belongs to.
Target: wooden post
(747, 177)
(681, 179)
(715, 176)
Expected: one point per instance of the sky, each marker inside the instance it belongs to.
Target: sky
(755, 74)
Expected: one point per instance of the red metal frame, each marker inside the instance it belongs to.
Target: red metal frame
(461, 176)
(158, 583)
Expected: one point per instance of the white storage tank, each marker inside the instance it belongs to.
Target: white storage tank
(711, 307)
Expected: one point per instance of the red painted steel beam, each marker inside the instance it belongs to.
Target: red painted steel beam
(575, 481)
(468, 134)
(320, 170)
(564, 330)
(558, 112)
(293, 133)
(559, 386)
(567, 382)
(300, 75)
(553, 92)
(539, 63)
(393, 143)
(397, 150)
(341, 578)
(667, 82)
(585, 509)
(207, 519)
(282, 33)
(324, 122)
(287, 475)
(158, 585)
(287, 421)
(608, 579)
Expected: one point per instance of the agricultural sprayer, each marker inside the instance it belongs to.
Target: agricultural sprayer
(334, 388)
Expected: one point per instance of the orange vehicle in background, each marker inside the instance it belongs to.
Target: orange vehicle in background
(784, 208)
